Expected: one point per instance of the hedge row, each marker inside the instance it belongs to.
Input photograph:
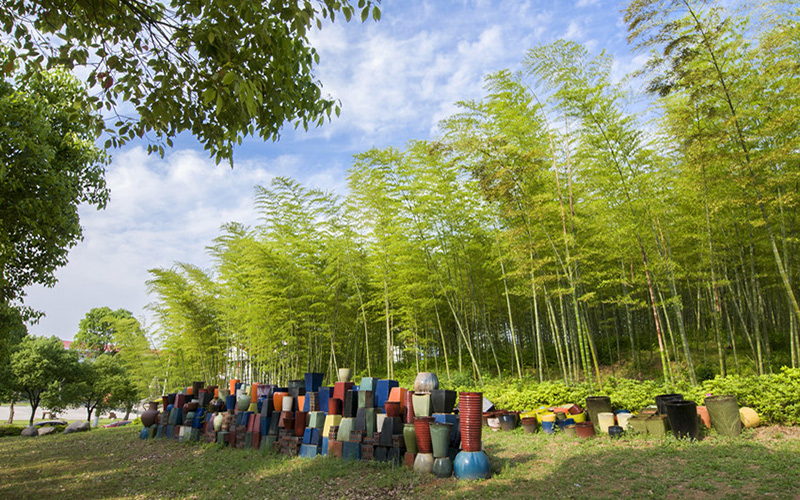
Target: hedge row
(775, 397)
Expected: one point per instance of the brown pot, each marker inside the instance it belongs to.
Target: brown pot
(584, 430)
(702, 412)
(150, 414)
(393, 409)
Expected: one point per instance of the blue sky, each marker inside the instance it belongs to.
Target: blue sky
(396, 79)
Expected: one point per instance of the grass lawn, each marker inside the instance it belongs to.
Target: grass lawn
(114, 463)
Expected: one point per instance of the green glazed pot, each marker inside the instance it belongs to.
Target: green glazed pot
(422, 404)
(443, 467)
(440, 436)
(410, 437)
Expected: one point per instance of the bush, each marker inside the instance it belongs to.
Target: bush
(776, 397)
(10, 430)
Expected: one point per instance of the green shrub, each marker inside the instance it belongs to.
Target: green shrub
(776, 397)
(10, 430)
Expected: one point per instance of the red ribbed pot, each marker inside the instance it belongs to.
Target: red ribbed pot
(422, 428)
(470, 410)
(408, 416)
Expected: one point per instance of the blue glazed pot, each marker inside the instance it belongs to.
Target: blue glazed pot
(313, 381)
(548, 427)
(472, 465)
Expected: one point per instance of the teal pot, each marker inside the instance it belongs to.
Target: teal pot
(243, 402)
(440, 436)
(442, 467)
(471, 465)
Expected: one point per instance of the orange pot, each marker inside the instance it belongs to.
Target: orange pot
(702, 412)
(254, 393)
(234, 381)
(277, 400)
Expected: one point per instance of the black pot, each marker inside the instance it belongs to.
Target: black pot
(683, 418)
(508, 422)
(615, 431)
(443, 401)
(663, 399)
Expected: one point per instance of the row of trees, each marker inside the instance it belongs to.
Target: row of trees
(547, 231)
(109, 365)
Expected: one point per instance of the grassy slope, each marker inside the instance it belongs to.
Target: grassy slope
(114, 463)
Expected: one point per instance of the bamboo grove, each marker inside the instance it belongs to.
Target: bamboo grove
(547, 231)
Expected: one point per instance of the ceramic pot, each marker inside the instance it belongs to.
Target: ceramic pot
(471, 465)
(585, 430)
(410, 438)
(287, 402)
(605, 419)
(443, 401)
(277, 400)
(615, 431)
(424, 463)
(393, 409)
(622, 419)
(442, 467)
(223, 394)
(702, 413)
(529, 424)
(440, 438)
(548, 427)
(682, 418)
(508, 422)
(663, 399)
(569, 430)
(243, 402)
(217, 422)
(408, 407)
(422, 404)
(423, 431)
(470, 407)
(595, 405)
(724, 413)
(217, 405)
(426, 382)
(149, 415)
(313, 381)
(494, 423)
(345, 374)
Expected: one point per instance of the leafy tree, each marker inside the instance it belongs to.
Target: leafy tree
(41, 367)
(100, 385)
(220, 70)
(118, 333)
(49, 165)
(97, 331)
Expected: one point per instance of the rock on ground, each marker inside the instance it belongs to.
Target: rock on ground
(30, 431)
(78, 426)
(43, 431)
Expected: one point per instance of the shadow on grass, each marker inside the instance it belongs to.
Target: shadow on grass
(638, 467)
(115, 463)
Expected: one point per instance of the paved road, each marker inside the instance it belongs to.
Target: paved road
(24, 413)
